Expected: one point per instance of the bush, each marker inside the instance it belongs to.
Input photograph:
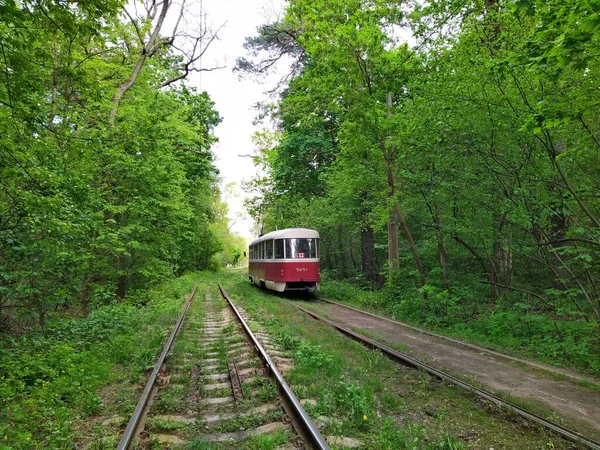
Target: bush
(48, 381)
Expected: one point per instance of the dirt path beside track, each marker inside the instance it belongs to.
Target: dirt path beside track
(579, 405)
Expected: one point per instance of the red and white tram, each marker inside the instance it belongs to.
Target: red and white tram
(286, 260)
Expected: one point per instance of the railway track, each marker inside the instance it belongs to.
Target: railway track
(218, 387)
(412, 362)
(536, 365)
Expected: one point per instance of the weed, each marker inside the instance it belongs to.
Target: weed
(310, 357)
(154, 424)
(199, 445)
(354, 400)
(268, 442)
(267, 392)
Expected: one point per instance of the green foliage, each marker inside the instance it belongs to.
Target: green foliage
(355, 400)
(310, 357)
(488, 149)
(94, 209)
(268, 442)
(49, 381)
(412, 438)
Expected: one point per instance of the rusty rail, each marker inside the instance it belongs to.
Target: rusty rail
(302, 423)
(140, 411)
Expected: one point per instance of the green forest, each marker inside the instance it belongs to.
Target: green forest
(449, 153)
(107, 177)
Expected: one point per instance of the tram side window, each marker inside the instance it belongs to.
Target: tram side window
(279, 249)
(251, 253)
(269, 249)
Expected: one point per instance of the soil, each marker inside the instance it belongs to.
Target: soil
(566, 397)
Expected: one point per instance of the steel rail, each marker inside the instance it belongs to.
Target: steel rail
(537, 365)
(302, 422)
(405, 359)
(130, 432)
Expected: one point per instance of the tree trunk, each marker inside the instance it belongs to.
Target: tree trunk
(442, 253)
(341, 246)
(502, 263)
(413, 248)
(351, 247)
(122, 286)
(85, 295)
(393, 253)
(148, 49)
(369, 264)
(557, 233)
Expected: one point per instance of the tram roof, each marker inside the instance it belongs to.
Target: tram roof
(288, 233)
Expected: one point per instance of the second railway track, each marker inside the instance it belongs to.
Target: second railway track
(405, 359)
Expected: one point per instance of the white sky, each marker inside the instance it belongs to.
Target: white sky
(234, 98)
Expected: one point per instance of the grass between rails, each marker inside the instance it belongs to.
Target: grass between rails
(362, 394)
(51, 383)
(174, 400)
(571, 344)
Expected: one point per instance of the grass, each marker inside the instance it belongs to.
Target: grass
(60, 387)
(55, 387)
(366, 396)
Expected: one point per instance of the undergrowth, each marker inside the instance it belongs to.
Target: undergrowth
(360, 394)
(50, 380)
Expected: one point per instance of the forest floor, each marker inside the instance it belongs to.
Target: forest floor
(553, 395)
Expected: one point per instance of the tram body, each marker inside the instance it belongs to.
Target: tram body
(286, 260)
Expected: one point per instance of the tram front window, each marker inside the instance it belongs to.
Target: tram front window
(300, 248)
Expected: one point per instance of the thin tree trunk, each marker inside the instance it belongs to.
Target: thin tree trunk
(395, 215)
(54, 86)
(442, 253)
(413, 248)
(370, 267)
(393, 253)
(351, 247)
(501, 261)
(341, 246)
(122, 286)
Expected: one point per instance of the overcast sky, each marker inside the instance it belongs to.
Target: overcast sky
(234, 98)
